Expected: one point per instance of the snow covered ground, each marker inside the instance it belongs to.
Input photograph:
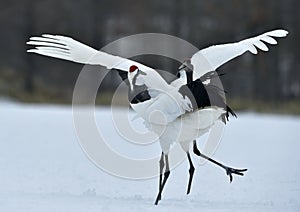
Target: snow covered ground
(43, 168)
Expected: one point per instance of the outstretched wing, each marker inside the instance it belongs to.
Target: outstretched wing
(209, 59)
(67, 48)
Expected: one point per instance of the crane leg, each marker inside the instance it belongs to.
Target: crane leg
(162, 182)
(161, 168)
(229, 170)
(191, 172)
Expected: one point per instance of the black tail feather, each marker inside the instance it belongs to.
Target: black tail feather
(229, 110)
(226, 115)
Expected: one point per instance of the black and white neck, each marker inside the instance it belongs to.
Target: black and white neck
(186, 72)
(137, 92)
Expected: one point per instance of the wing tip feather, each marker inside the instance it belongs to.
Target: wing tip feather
(278, 33)
(32, 50)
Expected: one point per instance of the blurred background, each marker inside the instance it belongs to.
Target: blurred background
(268, 82)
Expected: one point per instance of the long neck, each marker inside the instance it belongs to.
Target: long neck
(189, 77)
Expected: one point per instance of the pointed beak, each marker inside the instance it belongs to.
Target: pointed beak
(182, 66)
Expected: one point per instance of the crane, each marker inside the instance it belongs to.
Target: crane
(180, 111)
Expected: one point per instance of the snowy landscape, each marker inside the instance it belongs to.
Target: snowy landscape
(43, 168)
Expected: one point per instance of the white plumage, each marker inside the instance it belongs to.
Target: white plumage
(209, 59)
(166, 110)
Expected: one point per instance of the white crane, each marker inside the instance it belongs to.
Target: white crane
(180, 111)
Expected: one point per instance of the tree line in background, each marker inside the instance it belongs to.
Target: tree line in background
(272, 77)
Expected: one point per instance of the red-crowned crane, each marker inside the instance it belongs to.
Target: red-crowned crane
(180, 111)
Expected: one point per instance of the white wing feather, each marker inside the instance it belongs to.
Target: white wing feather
(67, 48)
(170, 102)
(209, 59)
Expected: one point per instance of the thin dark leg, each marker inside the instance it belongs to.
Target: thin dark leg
(229, 170)
(191, 171)
(195, 148)
(162, 185)
(161, 167)
(167, 172)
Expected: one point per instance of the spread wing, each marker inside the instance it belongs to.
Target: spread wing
(209, 59)
(67, 48)
(166, 98)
